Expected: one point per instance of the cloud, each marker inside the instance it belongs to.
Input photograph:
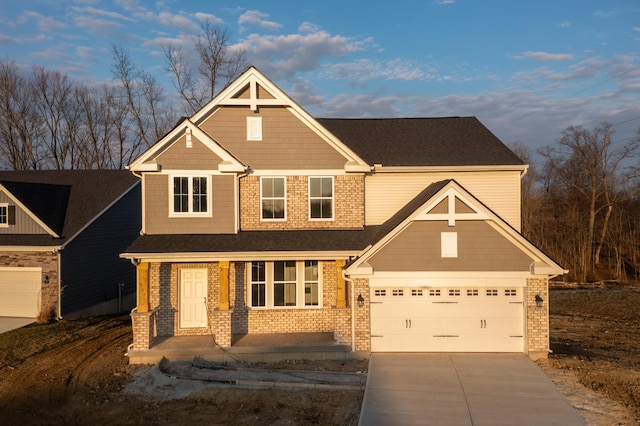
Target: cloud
(544, 56)
(365, 69)
(257, 18)
(442, 2)
(283, 56)
(45, 23)
(179, 21)
(4, 38)
(101, 12)
(564, 24)
(207, 17)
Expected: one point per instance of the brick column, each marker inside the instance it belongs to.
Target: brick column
(537, 318)
(143, 325)
(222, 327)
(362, 321)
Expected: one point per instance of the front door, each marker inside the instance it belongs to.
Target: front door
(193, 294)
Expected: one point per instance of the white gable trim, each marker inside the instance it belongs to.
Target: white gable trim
(542, 264)
(32, 215)
(146, 162)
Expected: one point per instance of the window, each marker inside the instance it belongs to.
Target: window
(492, 292)
(454, 292)
(4, 215)
(472, 292)
(258, 284)
(284, 284)
(510, 292)
(380, 293)
(321, 198)
(416, 292)
(190, 195)
(311, 282)
(273, 198)
(434, 292)
(254, 128)
(397, 292)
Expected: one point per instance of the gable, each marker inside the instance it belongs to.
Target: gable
(479, 248)
(287, 143)
(46, 204)
(180, 156)
(24, 223)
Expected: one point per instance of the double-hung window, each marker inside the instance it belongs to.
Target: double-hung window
(321, 198)
(4, 215)
(273, 198)
(190, 195)
(285, 284)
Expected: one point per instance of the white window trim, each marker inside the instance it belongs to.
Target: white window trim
(333, 199)
(6, 223)
(208, 213)
(254, 128)
(269, 285)
(284, 219)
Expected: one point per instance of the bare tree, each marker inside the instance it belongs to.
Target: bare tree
(152, 114)
(20, 126)
(217, 66)
(586, 165)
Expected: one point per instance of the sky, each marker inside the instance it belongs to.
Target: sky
(526, 69)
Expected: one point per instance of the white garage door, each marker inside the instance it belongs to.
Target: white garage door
(20, 292)
(447, 319)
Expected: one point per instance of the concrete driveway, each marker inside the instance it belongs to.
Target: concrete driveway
(11, 323)
(462, 389)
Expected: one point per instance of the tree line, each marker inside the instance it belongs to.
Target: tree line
(580, 202)
(49, 121)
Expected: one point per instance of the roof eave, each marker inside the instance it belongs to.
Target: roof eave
(239, 256)
(379, 168)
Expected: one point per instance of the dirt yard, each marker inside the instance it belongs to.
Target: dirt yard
(595, 339)
(75, 372)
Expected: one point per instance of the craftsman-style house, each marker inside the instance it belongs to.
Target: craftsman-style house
(390, 234)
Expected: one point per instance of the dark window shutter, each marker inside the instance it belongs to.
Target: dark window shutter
(11, 215)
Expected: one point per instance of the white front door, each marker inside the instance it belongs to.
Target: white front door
(193, 294)
(447, 319)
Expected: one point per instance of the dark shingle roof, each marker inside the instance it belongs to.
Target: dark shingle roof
(65, 200)
(352, 240)
(450, 141)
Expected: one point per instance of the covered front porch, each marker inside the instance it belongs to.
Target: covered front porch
(271, 347)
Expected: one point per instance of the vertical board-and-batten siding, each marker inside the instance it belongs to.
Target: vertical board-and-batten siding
(90, 264)
(157, 220)
(386, 193)
(24, 223)
(287, 143)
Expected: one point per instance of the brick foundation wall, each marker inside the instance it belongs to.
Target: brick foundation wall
(348, 198)
(537, 318)
(48, 261)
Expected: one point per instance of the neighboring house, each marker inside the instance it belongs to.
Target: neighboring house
(61, 232)
(392, 234)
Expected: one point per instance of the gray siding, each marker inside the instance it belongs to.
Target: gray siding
(24, 223)
(91, 268)
(480, 248)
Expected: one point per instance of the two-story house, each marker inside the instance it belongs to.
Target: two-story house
(391, 234)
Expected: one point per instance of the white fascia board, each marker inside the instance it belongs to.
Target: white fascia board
(17, 202)
(236, 256)
(31, 248)
(229, 167)
(146, 167)
(379, 168)
(541, 268)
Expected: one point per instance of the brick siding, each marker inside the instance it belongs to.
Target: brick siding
(48, 261)
(348, 199)
(537, 318)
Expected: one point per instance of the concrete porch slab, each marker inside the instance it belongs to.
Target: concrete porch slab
(247, 348)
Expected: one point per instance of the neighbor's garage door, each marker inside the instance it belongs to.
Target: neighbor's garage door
(447, 319)
(20, 292)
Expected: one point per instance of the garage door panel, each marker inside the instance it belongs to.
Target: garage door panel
(448, 320)
(20, 290)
